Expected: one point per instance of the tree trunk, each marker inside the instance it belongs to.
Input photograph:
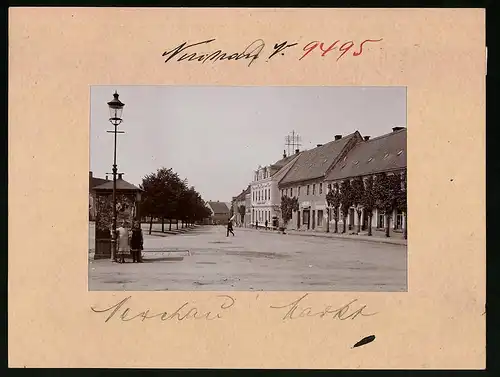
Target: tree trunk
(170, 225)
(345, 221)
(162, 224)
(387, 225)
(150, 224)
(405, 233)
(336, 225)
(370, 223)
(328, 220)
(359, 221)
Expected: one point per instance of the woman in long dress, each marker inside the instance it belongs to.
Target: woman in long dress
(123, 242)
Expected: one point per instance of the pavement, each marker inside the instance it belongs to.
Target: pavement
(205, 259)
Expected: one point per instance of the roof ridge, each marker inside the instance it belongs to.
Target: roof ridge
(385, 135)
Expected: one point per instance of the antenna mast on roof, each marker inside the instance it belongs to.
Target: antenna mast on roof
(293, 140)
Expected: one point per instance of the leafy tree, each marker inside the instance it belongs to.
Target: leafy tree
(369, 201)
(346, 200)
(288, 206)
(387, 190)
(333, 201)
(242, 211)
(166, 196)
(358, 192)
(402, 202)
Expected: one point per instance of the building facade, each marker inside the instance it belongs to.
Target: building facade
(306, 181)
(264, 193)
(239, 207)
(383, 154)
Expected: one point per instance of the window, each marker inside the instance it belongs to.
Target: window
(320, 217)
(307, 189)
(399, 220)
(329, 187)
(298, 191)
(320, 189)
(399, 153)
(370, 159)
(282, 194)
(314, 189)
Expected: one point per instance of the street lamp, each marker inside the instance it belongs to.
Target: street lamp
(115, 112)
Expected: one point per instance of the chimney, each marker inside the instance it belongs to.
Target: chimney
(284, 154)
(319, 145)
(366, 138)
(120, 175)
(338, 137)
(296, 151)
(106, 177)
(394, 129)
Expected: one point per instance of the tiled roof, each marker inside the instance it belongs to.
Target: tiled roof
(281, 163)
(314, 163)
(219, 207)
(282, 172)
(93, 182)
(383, 153)
(120, 185)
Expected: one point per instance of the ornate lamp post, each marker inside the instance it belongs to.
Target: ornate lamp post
(115, 111)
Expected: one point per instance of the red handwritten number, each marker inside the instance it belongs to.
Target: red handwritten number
(361, 46)
(312, 45)
(344, 50)
(332, 46)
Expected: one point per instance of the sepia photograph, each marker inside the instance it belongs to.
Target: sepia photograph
(221, 188)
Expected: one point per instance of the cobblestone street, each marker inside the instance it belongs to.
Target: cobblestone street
(205, 259)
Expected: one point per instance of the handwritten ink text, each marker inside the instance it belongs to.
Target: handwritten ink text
(294, 311)
(184, 312)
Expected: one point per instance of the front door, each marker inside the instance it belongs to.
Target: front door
(313, 219)
(298, 219)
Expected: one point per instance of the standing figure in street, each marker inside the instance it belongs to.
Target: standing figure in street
(230, 228)
(136, 243)
(256, 224)
(266, 224)
(123, 242)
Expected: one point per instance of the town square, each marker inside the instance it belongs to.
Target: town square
(312, 213)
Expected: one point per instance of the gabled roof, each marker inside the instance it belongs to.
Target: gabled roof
(121, 185)
(219, 207)
(314, 163)
(383, 153)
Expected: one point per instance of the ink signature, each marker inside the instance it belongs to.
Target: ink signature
(294, 311)
(184, 312)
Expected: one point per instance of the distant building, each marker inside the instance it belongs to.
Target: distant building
(239, 205)
(383, 154)
(305, 181)
(264, 194)
(220, 212)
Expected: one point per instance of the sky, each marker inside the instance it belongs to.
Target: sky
(216, 136)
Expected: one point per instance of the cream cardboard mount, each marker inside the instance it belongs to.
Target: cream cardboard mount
(56, 54)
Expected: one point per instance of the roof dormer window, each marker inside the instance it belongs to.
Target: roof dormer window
(400, 152)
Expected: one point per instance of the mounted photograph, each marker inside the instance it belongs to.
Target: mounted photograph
(222, 188)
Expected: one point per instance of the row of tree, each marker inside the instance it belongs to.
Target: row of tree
(385, 192)
(167, 197)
